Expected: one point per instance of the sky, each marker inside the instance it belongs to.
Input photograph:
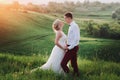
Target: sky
(46, 1)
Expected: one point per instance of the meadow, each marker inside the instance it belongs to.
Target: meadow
(26, 41)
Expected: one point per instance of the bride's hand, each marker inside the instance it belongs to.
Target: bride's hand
(65, 48)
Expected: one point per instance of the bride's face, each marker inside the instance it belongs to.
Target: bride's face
(61, 24)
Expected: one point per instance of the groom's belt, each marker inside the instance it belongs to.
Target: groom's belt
(69, 45)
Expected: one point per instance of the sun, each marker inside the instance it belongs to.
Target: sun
(3, 1)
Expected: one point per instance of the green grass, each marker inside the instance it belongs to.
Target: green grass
(19, 67)
(26, 41)
(30, 30)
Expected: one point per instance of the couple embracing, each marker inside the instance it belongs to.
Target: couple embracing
(66, 47)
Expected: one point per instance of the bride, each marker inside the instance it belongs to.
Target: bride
(58, 51)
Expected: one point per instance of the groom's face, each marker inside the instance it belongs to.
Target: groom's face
(66, 19)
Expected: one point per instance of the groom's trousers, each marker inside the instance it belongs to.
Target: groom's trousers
(71, 55)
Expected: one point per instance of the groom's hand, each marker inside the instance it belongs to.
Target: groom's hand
(66, 49)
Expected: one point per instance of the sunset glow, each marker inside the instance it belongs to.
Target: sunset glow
(6, 1)
(46, 1)
(1, 1)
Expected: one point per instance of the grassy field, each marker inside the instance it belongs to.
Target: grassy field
(18, 68)
(26, 41)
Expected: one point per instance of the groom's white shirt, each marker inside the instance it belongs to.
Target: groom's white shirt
(73, 35)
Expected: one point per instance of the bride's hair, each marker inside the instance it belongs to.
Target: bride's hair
(56, 25)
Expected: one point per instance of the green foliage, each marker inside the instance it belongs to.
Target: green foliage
(105, 30)
(116, 14)
(107, 53)
(90, 28)
(90, 70)
(102, 49)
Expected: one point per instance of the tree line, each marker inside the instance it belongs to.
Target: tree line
(54, 7)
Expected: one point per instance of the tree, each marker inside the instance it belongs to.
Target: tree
(69, 6)
(32, 7)
(78, 4)
(52, 6)
(116, 14)
(104, 30)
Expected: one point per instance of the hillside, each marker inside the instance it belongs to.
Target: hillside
(26, 41)
(20, 31)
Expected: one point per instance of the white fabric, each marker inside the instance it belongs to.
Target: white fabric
(73, 35)
(56, 57)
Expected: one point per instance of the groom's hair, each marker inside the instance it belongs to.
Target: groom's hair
(69, 15)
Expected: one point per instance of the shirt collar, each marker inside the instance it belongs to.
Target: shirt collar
(71, 23)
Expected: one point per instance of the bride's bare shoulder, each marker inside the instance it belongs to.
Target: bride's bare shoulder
(59, 33)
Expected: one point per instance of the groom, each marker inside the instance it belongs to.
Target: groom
(72, 45)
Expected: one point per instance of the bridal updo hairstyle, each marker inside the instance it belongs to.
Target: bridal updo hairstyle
(56, 25)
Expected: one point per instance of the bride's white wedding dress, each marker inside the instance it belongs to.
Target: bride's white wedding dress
(56, 57)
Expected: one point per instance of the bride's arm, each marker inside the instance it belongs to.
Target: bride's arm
(58, 36)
